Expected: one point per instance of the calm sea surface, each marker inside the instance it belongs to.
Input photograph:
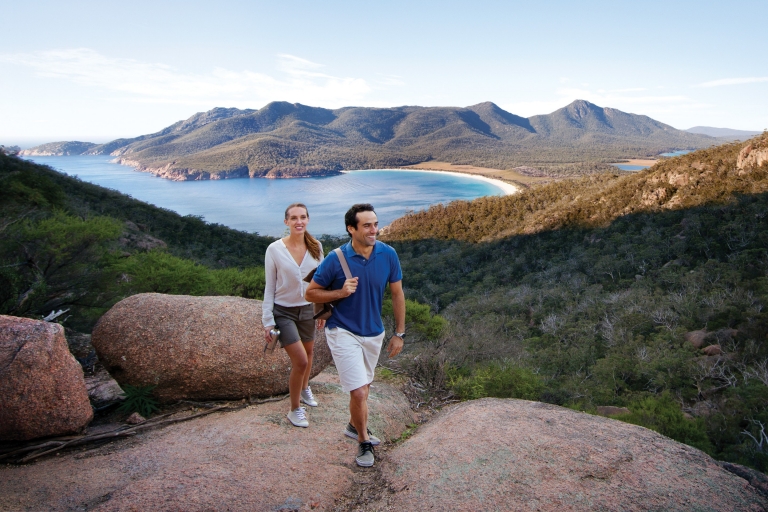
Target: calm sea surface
(257, 205)
(677, 153)
(625, 167)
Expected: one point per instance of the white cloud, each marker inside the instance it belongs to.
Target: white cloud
(160, 83)
(733, 81)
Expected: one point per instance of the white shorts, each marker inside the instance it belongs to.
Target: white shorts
(355, 356)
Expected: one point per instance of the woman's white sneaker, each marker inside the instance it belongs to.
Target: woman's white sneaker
(298, 417)
(308, 398)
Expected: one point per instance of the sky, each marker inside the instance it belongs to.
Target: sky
(96, 71)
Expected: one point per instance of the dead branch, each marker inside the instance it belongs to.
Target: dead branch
(56, 445)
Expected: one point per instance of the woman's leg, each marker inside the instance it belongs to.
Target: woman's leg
(299, 367)
(309, 349)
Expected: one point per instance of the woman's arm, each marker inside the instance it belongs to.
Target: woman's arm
(270, 280)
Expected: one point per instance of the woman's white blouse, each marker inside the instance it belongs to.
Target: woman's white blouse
(285, 283)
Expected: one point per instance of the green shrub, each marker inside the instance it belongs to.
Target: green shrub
(160, 272)
(662, 414)
(421, 323)
(248, 283)
(494, 380)
(139, 399)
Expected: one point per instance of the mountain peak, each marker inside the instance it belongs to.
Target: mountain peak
(485, 104)
(215, 114)
(582, 108)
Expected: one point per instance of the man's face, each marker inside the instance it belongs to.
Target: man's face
(367, 229)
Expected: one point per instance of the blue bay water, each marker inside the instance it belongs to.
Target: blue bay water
(676, 153)
(257, 205)
(625, 167)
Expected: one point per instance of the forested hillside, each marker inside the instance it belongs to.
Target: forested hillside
(695, 179)
(66, 244)
(289, 140)
(646, 291)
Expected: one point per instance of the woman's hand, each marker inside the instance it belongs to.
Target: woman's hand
(320, 323)
(267, 337)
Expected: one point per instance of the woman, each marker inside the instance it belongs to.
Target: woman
(287, 262)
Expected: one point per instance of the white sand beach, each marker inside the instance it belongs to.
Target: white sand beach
(507, 188)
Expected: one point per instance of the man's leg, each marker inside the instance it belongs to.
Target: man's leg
(358, 411)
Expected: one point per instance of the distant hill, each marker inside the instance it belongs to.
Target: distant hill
(63, 148)
(293, 140)
(723, 133)
(687, 181)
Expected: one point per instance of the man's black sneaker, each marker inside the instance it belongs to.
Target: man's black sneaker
(365, 456)
(351, 431)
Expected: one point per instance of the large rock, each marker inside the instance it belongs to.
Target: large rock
(496, 454)
(42, 391)
(241, 461)
(753, 154)
(199, 348)
(696, 338)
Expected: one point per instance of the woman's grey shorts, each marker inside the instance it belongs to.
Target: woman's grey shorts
(295, 323)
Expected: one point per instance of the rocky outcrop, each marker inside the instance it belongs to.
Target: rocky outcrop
(134, 237)
(252, 459)
(496, 454)
(696, 338)
(171, 172)
(175, 172)
(754, 154)
(194, 347)
(102, 388)
(42, 391)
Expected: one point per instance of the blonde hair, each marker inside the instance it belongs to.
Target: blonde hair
(313, 246)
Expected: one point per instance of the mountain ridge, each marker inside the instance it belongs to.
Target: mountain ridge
(293, 140)
(723, 133)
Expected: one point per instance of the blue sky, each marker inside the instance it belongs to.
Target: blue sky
(96, 71)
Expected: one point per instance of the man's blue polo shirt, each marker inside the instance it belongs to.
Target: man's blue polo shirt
(360, 313)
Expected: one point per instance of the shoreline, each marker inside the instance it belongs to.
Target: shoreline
(648, 162)
(507, 188)
(480, 173)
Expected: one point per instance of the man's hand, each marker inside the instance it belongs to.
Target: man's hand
(350, 285)
(395, 345)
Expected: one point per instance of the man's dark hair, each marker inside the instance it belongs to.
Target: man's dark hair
(350, 218)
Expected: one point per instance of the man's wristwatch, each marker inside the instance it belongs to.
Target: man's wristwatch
(400, 335)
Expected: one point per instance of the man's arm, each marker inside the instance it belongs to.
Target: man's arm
(316, 293)
(398, 308)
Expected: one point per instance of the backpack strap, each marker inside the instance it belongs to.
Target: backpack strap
(343, 261)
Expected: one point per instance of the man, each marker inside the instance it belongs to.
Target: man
(355, 331)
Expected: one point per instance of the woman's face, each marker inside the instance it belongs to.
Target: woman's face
(297, 220)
